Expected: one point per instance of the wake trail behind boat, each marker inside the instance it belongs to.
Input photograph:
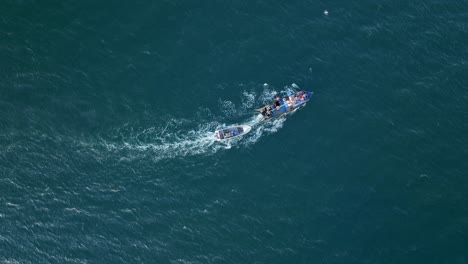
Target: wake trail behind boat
(183, 137)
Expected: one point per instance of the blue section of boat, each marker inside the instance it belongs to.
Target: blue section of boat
(285, 109)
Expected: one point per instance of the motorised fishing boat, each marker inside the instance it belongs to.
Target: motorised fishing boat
(289, 104)
(232, 132)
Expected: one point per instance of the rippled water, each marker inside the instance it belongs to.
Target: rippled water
(107, 113)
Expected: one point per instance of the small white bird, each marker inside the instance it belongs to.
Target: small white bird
(325, 12)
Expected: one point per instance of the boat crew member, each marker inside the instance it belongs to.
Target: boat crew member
(292, 99)
(267, 111)
(277, 103)
(287, 103)
(302, 97)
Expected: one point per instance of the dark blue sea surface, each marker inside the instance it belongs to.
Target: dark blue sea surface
(107, 150)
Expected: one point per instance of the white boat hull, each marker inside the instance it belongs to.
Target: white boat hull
(232, 132)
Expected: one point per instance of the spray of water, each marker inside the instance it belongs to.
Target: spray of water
(182, 137)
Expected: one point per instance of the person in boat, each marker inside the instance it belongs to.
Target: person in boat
(292, 99)
(277, 103)
(228, 133)
(266, 111)
(286, 104)
(302, 97)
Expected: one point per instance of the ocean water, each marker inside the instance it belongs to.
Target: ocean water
(107, 113)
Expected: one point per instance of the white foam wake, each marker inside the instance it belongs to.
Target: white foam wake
(183, 137)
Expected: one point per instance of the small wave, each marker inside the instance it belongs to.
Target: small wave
(261, 128)
(228, 108)
(168, 141)
(248, 100)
